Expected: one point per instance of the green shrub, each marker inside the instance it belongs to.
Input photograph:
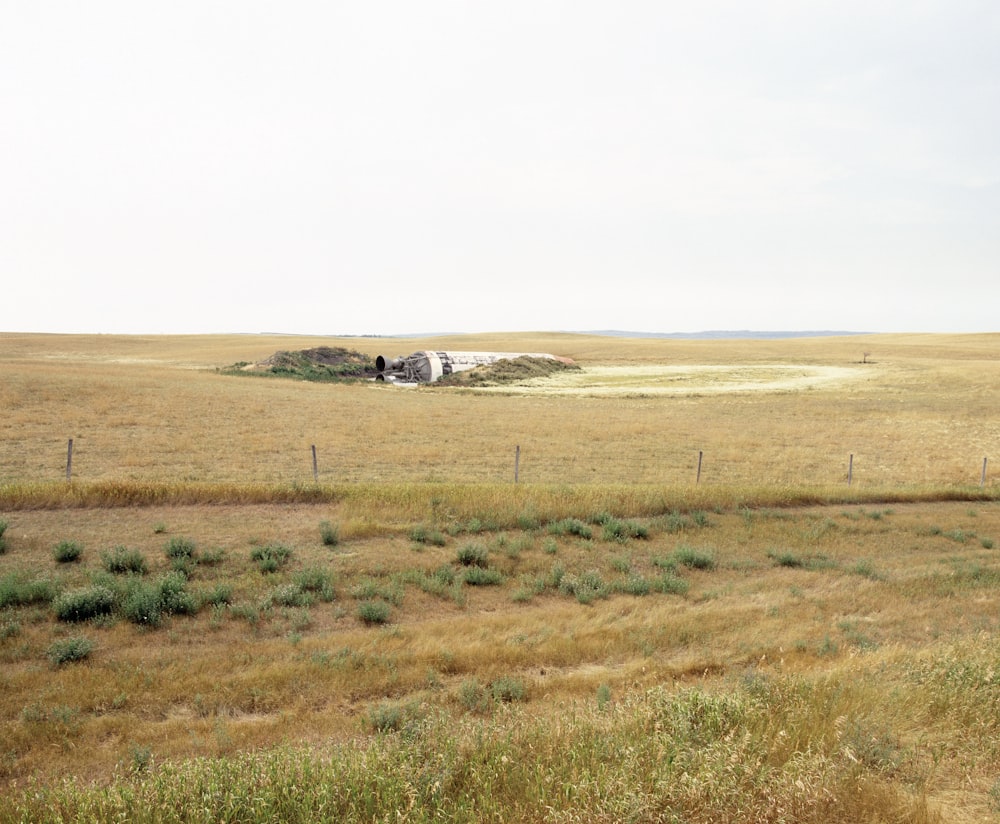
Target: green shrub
(84, 603)
(386, 717)
(507, 689)
(249, 612)
(481, 577)
(10, 628)
(694, 558)
(556, 575)
(183, 565)
(528, 521)
(145, 604)
(180, 548)
(174, 597)
(585, 588)
(425, 535)
(316, 580)
(330, 533)
(473, 555)
(615, 529)
(270, 558)
(373, 612)
(433, 583)
(636, 585)
(142, 605)
(66, 650)
(18, 591)
(122, 560)
(3, 541)
(571, 526)
(219, 594)
(290, 595)
(212, 557)
(812, 562)
(785, 558)
(671, 584)
(473, 696)
(866, 569)
(67, 551)
(370, 589)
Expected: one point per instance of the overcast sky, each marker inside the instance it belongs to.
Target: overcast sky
(397, 166)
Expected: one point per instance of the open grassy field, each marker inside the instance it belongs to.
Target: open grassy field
(195, 630)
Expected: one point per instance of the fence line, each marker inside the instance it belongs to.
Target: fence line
(517, 465)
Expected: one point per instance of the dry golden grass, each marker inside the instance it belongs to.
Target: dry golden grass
(867, 593)
(924, 412)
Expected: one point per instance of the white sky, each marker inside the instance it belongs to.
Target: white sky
(396, 166)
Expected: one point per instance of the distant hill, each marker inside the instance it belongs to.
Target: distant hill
(743, 334)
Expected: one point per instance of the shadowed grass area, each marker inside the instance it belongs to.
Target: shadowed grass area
(502, 504)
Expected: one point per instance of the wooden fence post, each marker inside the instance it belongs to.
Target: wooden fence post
(982, 478)
(697, 478)
(517, 462)
(315, 465)
(69, 460)
(850, 469)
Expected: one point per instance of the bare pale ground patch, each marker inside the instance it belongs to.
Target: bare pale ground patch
(648, 380)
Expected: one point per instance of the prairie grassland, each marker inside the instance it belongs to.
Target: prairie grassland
(849, 651)
(416, 637)
(152, 409)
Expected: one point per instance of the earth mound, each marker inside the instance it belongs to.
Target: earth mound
(506, 372)
(323, 363)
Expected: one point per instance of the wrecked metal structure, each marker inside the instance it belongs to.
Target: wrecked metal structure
(427, 367)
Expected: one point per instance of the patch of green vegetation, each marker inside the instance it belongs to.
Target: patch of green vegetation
(620, 530)
(571, 526)
(368, 589)
(317, 581)
(324, 364)
(586, 587)
(428, 535)
(507, 689)
(374, 612)
(67, 551)
(473, 555)
(180, 548)
(694, 558)
(17, 590)
(66, 650)
(270, 557)
(477, 576)
(329, 533)
(786, 558)
(84, 603)
(124, 561)
(675, 521)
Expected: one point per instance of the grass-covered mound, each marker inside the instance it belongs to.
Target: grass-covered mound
(323, 363)
(506, 372)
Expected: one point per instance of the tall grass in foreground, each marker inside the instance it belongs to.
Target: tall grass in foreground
(763, 752)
